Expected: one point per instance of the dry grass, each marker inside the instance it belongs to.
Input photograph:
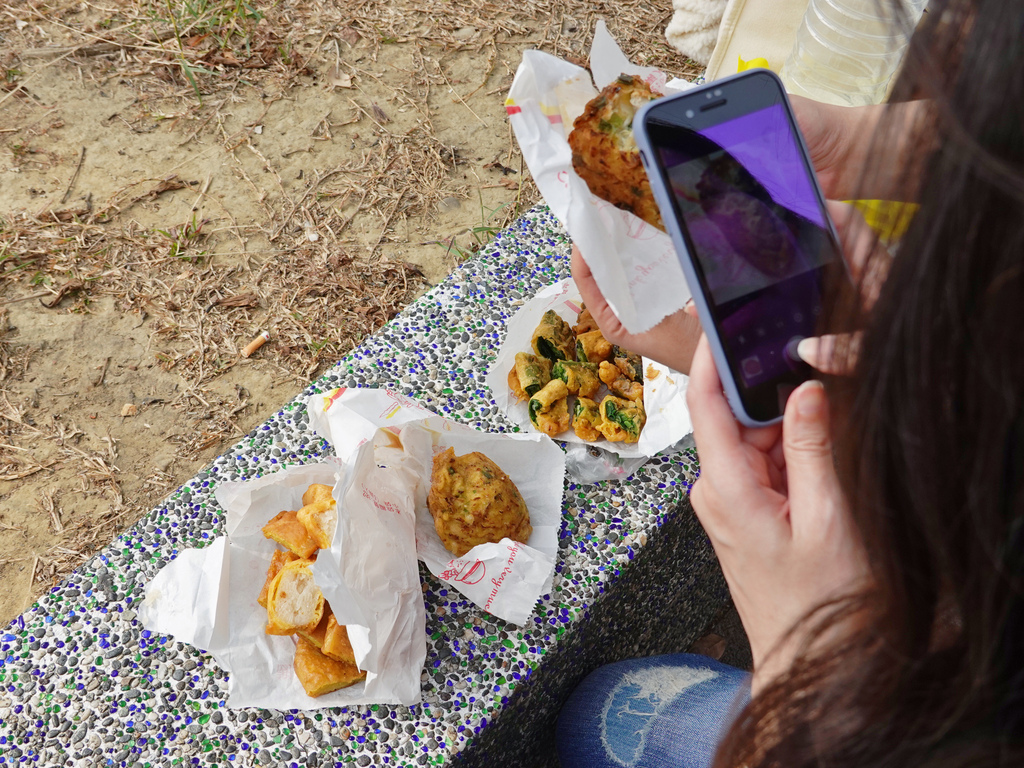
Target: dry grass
(207, 284)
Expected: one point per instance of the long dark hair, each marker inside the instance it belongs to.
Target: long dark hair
(930, 448)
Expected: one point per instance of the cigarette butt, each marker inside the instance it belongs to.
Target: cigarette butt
(256, 343)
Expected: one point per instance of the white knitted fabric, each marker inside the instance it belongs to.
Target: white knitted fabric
(693, 30)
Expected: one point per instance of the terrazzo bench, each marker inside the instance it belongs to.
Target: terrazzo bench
(83, 684)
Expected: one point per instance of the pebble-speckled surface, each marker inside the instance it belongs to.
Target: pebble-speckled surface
(83, 684)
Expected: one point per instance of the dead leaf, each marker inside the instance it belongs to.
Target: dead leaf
(68, 287)
(509, 183)
(338, 79)
(380, 114)
(169, 184)
(350, 36)
(238, 300)
(129, 410)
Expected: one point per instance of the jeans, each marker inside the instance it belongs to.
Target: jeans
(658, 712)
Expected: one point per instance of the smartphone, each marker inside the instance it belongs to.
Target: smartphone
(737, 191)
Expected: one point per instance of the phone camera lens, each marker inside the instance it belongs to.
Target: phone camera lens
(689, 113)
(718, 91)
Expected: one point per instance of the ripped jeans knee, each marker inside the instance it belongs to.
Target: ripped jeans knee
(658, 712)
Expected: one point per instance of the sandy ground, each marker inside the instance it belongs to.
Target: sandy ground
(173, 184)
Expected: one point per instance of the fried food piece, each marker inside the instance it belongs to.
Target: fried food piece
(553, 338)
(630, 363)
(586, 420)
(472, 502)
(622, 419)
(320, 674)
(580, 378)
(604, 151)
(315, 492)
(585, 322)
(554, 421)
(549, 408)
(533, 372)
(321, 519)
(618, 384)
(317, 635)
(294, 601)
(592, 347)
(287, 531)
(517, 389)
(278, 560)
(336, 643)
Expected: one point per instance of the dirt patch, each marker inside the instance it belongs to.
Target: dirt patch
(176, 177)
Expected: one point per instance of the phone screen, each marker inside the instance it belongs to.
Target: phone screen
(760, 240)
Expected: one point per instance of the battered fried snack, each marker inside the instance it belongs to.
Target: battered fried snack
(319, 632)
(294, 601)
(513, 384)
(580, 378)
(533, 372)
(549, 408)
(586, 420)
(320, 674)
(336, 643)
(320, 518)
(553, 338)
(315, 492)
(604, 151)
(291, 534)
(278, 560)
(631, 364)
(473, 502)
(585, 322)
(619, 384)
(622, 419)
(592, 347)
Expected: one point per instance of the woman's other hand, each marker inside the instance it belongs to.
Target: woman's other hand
(671, 342)
(843, 141)
(770, 501)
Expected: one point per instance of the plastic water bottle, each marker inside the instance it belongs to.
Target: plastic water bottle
(846, 51)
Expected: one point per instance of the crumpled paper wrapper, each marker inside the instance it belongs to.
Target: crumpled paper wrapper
(505, 579)
(634, 263)
(207, 597)
(668, 418)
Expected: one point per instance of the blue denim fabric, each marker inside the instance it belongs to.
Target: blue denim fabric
(658, 712)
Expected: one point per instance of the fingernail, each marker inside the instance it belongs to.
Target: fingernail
(690, 308)
(807, 349)
(810, 399)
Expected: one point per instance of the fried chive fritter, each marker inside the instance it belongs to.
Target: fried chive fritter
(604, 152)
(472, 502)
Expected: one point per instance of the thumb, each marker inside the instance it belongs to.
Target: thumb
(807, 446)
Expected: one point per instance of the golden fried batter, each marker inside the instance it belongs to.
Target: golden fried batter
(278, 560)
(320, 674)
(472, 502)
(604, 152)
(618, 384)
(586, 420)
(549, 408)
(286, 530)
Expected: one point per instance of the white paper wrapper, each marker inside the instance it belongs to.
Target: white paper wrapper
(506, 579)
(668, 418)
(635, 264)
(207, 597)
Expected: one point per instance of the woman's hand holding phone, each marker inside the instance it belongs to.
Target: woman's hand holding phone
(770, 501)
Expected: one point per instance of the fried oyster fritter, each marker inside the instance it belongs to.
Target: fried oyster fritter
(473, 502)
(604, 152)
